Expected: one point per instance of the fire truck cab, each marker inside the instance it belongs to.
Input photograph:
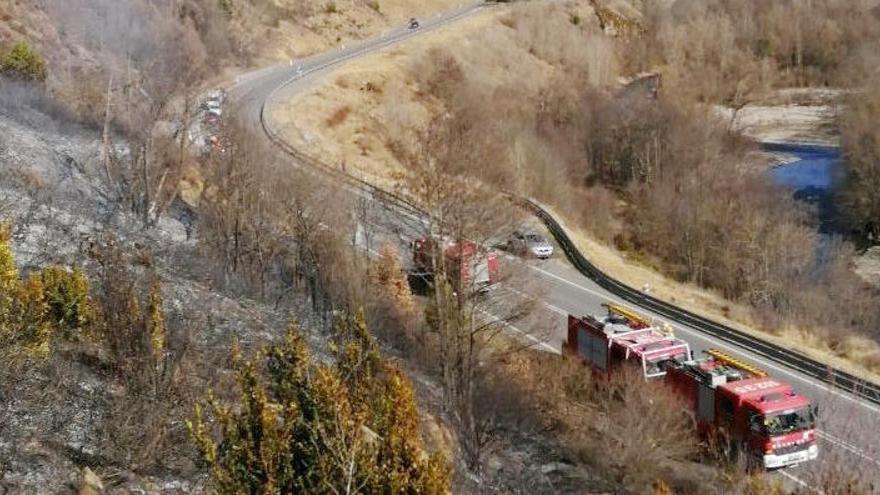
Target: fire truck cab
(468, 265)
(746, 411)
(622, 338)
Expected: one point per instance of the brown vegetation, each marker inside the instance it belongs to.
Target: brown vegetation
(463, 322)
(253, 205)
(269, 229)
(715, 50)
(266, 232)
(338, 116)
(117, 330)
(139, 69)
(150, 357)
(859, 195)
(632, 433)
(666, 168)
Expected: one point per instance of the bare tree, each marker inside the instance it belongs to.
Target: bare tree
(461, 210)
(262, 216)
(152, 62)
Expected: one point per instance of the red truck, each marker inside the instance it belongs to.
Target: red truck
(623, 338)
(468, 265)
(750, 415)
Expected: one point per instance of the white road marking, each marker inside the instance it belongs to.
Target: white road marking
(846, 446)
(822, 434)
(549, 306)
(527, 335)
(507, 325)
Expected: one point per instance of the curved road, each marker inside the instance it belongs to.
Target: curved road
(849, 430)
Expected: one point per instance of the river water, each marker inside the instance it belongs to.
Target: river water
(816, 167)
(812, 176)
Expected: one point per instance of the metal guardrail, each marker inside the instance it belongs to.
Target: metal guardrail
(861, 388)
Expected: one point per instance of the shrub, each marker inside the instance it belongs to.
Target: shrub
(9, 281)
(23, 325)
(50, 301)
(23, 62)
(149, 357)
(225, 6)
(67, 296)
(389, 278)
(302, 427)
(31, 323)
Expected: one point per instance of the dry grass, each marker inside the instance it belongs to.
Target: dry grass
(319, 28)
(382, 95)
(640, 422)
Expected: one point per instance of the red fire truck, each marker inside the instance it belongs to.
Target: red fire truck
(624, 338)
(468, 265)
(751, 416)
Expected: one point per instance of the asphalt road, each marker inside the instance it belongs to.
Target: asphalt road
(849, 427)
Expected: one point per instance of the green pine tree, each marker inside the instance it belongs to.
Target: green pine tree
(302, 427)
(22, 61)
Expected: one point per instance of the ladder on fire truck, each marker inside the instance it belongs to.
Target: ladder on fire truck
(636, 320)
(733, 362)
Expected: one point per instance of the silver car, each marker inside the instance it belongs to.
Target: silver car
(530, 244)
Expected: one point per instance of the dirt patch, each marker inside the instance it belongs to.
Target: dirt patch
(401, 89)
(338, 116)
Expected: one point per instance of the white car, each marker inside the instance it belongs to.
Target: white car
(214, 107)
(530, 244)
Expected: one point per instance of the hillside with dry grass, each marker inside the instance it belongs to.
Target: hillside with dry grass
(354, 114)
